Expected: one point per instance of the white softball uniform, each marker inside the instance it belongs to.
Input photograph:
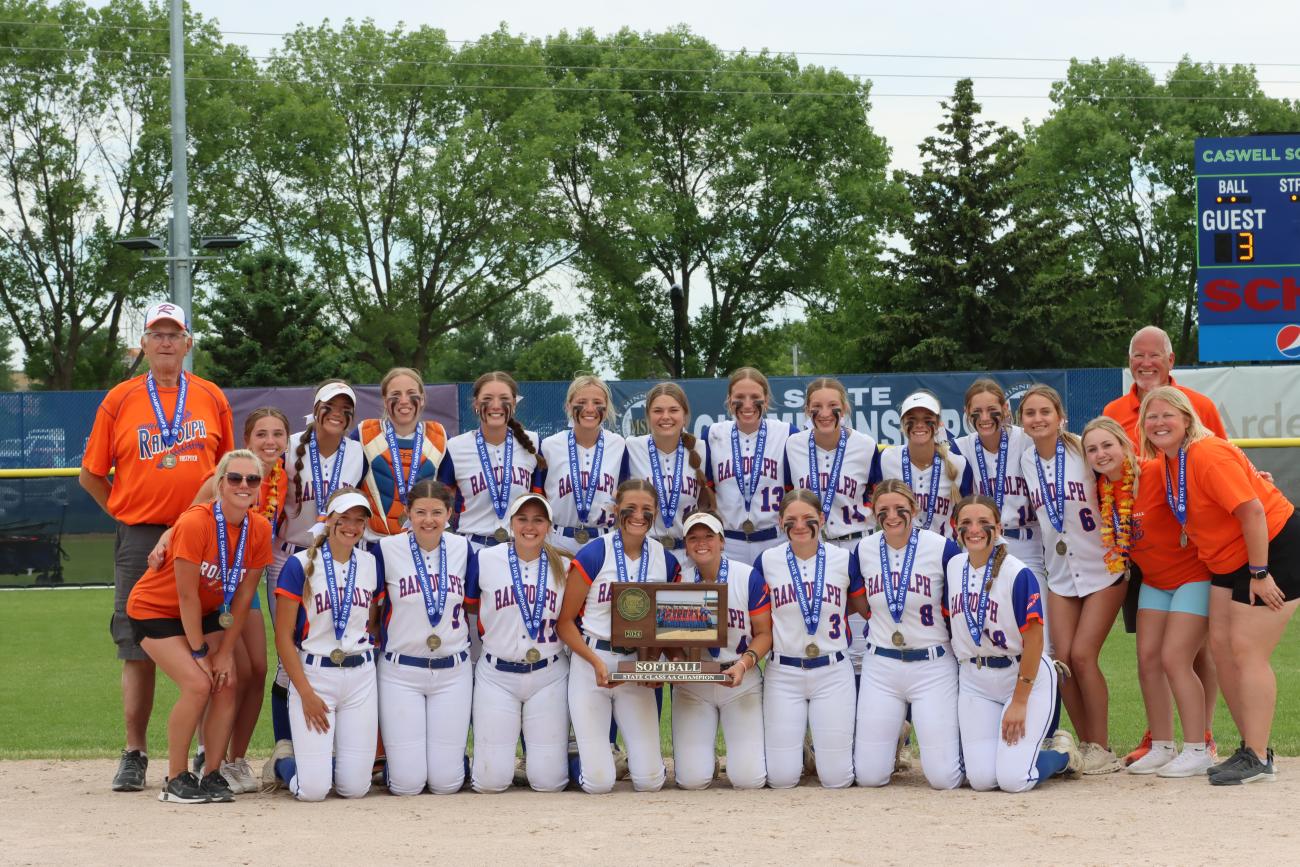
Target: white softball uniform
(989, 671)
(300, 513)
(557, 483)
(1080, 570)
(462, 471)
(699, 707)
(949, 491)
(345, 754)
(802, 693)
(424, 694)
(511, 693)
(1019, 520)
(850, 517)
(727, 479)
(631, 705)
(636, 465)
(908, 662)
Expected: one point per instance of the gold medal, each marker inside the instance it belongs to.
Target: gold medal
(337, 656)
(226, 620)
(1060, 546)
(501, 535)
(1182, 539)
(581, 536)
(533, 655)
(812, 651)
(433, 641)
(898, 639)
(169, 461)
(666, 541)
(748, 526)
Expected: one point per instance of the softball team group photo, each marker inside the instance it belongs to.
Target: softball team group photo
(441, 605)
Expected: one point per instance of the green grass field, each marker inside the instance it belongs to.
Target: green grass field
(60, 698)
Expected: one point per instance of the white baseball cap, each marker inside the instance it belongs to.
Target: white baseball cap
(537, 498)
(343, 502)
(166, 311)
(697, 518)
(334, 389)
(919, 400)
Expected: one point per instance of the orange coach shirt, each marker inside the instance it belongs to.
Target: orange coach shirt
(1125, 411)
(195, 539)
(125, 438)
(1165, 564)
(1219, 479)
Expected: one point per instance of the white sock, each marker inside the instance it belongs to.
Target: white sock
(1189, 747)
(1165, 746)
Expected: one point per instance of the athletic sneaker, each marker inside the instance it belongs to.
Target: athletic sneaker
(1142, 749)
(216, 788)
(1099, 760)
(1063, 742)
(239, 776)
(1155, 759)
(521, 773)
(130, 771)
(903, 758)
(1248, 769)
(1229, 762)
(1210, 746)
(620, 764)
(184, 789)
(1188, 763)
(199, 760)
(283, 750)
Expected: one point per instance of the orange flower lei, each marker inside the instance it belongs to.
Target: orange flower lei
(271, 507)
(1117, 518)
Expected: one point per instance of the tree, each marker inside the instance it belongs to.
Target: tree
(264, 329)
(522, 336)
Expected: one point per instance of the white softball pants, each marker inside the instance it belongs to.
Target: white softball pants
(632, 706)
(697, 710)
(818, 699)
(424, 717)
(536, 702)
(991, 763)
(888, 686)
(344, 755)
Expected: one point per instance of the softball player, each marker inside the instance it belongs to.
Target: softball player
(582, 467)
(746, 466)
(490, 466)
(909, 657)
(522, 680)
(629, 553)
(808, 683)
(1085, 596)
(671, 460)
(738, 703)
(924, 462)
(1008, 705)
(425, 678)
(326, 607)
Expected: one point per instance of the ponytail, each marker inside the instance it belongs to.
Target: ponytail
(556, 558)
(706, 500)
(1000, 554)
(298, 455)
(948, 465)
(522, 437)
(308, 569)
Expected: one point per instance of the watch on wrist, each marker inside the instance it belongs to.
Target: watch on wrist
(1258, 574)
(201, 652)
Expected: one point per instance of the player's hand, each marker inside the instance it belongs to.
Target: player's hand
(1013, 722)
(1266, 589)
(1266, 476)
(223, 662)
(736, 673)
(316, 713)
(159, 552)
(602, 675)
(205, 665)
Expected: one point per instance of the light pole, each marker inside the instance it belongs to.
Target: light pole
(678, 298)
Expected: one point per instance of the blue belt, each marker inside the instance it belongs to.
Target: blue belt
(426, 661)
(992, 661)
(804, 662)
(602, 644)
(921, 655)
(518, 667)
(1020, 533)
(351, 661)
(571, 532)
(485, 541)
(756, 536)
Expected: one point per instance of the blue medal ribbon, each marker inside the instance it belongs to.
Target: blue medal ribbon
(722, 579)
(667, 499)
(433, 606)
(896, 595)
(1178, 504)
(340, 603)
(229, 574)
(499, 493)
(405, 483)
(168, 433)
(748, 482)
(585, 495)
(620, 561)
(1055, 504)
(318, 490)
(1001, 468)
(833, 480)
(975, 622)
(936, 470)
(532, 618)
(811, 609)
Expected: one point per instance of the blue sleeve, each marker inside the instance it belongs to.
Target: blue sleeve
(378, 554)
(785, 469)
(708, 454)
(967, 481)
(447, 470)
(672, 568)
(291, 578)
(760, 598)
(624, 467)
(856, 582)
(950, 550)
(794, 429)
(539, 479)
(471, 573)
(356, 434)
(590, 559)
(1026, 598)
(877, 473)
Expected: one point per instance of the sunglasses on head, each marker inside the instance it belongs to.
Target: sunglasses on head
(253, 479)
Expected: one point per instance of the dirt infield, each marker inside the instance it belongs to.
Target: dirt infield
(63, 813)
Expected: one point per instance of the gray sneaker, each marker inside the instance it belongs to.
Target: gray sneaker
(183, 789)
(1249, 769)
(216, 788)
(130, 771)
(1230, 762)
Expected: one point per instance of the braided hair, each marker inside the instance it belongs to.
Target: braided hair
(673, 391)
(301, 451)
(517, 429)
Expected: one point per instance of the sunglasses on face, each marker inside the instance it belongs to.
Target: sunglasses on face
(237, 479)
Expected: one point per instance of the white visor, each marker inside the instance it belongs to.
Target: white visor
(919, 400)
(334, 389)
(704, 518)
(537, 498)
(343, 502)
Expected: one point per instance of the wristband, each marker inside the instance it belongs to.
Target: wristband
(1028, 680)
(752, 655)
(1257, 573)
(201, 652)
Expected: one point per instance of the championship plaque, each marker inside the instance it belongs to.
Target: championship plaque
(661, 616)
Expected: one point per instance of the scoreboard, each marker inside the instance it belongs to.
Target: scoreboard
(1248, 247)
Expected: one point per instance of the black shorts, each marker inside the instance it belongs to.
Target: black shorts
(1283, 565)
(171, 627)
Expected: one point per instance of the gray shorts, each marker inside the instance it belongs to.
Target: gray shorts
(130, 561)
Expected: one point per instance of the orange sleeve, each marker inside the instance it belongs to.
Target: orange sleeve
(98, 458)
(1221, 475)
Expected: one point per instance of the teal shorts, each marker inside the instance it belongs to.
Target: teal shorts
(1191, 598)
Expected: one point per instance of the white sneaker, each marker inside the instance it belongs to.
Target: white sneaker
(1188, 763)
(1063, 742)
(270, 782)
(1155, 759)
(244, 773)
(231, 776)
(1099, 760)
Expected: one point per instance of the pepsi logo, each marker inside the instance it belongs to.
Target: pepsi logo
(1288, 341)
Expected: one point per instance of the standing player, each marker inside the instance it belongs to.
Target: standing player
(581, 467)
(808, 683)
(1008, 705)
(1085, 596)
(629, 553)
(400, 449)
(746, 466)
(909, 658)
(671, 460)
(926, 465)
(489, 466)
(738, 703)
(522, 680)
(329, 597)
(425, 678)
